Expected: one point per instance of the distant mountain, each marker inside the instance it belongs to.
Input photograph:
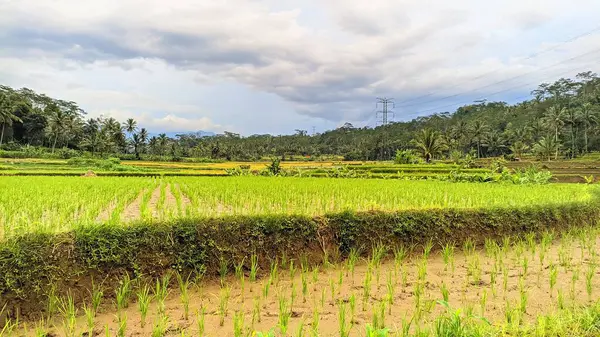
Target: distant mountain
(199, 133)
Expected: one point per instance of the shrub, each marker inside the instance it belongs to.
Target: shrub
(406, 157)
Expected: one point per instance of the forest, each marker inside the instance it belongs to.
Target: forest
(561, 120)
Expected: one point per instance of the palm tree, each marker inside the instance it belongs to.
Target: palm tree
(478, 132)
(136, 141)
(7, 117)
(555, 119)
(162, 143)
(143, 139)
(429, 143)
(518, 148)
(130, 126)
(588, 117)
(58, 124)
(461, 130)
(572, 118)
(546, 147)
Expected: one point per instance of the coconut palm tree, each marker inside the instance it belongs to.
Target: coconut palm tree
(429, 143)
(58, 122)
(554, 118)
(572, 119)
(478, 131)
(588, 117)
(7, 117)
(546, 147)
(130, 126)
(518, 148)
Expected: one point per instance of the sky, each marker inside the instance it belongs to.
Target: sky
(273, 66)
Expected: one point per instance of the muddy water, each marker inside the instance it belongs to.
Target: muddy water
(469, 280)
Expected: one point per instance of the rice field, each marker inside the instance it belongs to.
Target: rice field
(56, 204)
(544, 285)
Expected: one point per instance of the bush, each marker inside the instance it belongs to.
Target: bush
(406, 157)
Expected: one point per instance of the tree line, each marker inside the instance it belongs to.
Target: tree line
(560, 120)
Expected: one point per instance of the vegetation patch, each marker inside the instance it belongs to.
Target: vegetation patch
(34, 264)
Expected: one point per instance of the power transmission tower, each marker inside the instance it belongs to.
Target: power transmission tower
(313, 130)
(386, 104)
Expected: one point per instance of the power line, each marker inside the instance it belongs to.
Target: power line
(493, 94)
(498, 69)
(502, 81)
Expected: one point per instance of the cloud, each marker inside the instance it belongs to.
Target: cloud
(328, 59)
(166, 123)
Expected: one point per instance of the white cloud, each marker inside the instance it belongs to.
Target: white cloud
(327, 58)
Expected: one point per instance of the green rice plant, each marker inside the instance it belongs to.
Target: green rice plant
(274, 274)
(474, 268)
(161, 291)
(366, 289)
(445, 292)
(304, 280)
(560, 300)
(53, 302)
(506, 244)
(352, 301)
(400, 254)
(427, 249)
(404, 276)
(122, 321)
(123, 293)
(483, 302)
(96, 295)
(223, 269)
(553, 278)
(200, 321)
(90, 316)
(351, 261)
(256, 312)
(292, 296)
(253, 267)
(531, 244)
(300, 331)
(184, 285)
(469, 246)
(223, 304)
(422, 270)
(316, 319)
(270, 333)
(239, 268)
(238, 324)
(378, 253)
(525, 266)
(144, 298)
(588, 280)
(340, 280)
(107, 331)
(390, 288)
(266, 287)
(344, 327)
(323, 298)
(574, 279)
(523, 296)
(505, 279)
(371, 331)
(448, 256)
(285, 313)
(159, 328)
(292, 269)
(315, 277)
(332, 289)
(491, 247)
(69, 312)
